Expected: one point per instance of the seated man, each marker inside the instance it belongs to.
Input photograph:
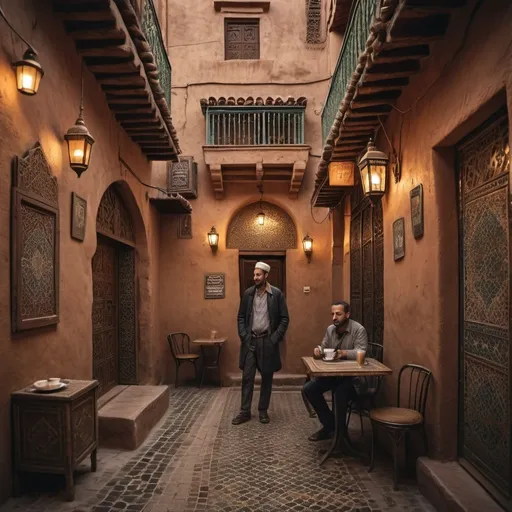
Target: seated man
(346, 336)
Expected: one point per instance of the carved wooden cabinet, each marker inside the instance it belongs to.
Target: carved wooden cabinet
(54, 432)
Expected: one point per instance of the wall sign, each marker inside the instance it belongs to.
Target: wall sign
(182, 178)
(78, 217)
(417, 211)
(398, 239)
(214, 286)
(185, 226)
(341, 174)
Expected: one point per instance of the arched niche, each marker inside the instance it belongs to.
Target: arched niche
(277, 234)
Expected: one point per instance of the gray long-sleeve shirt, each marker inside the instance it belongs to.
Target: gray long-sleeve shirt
(352, 339)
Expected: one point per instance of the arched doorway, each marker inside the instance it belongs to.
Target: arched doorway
(113, 309)
(267, 242)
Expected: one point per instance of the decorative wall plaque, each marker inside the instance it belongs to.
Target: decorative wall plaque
(214, 286)
(78, 217)
(183, 177)
(341, 174)
(185, 226)
(398, 239)
(34, 243)
(417, 211)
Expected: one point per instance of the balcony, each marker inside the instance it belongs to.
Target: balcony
(250, 140)
(121, 44)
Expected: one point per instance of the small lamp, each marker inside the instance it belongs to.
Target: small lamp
(261, 218)
(79, 141)
(28, 73)
(213, 238)
(373, 167)
(307, 245)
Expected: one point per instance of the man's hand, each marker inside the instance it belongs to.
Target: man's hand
(317, 352)
(340, 354)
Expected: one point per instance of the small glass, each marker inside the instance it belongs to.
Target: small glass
(360, 357)
(213, 335)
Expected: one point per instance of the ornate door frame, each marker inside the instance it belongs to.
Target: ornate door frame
(114, 223)
(485, 362)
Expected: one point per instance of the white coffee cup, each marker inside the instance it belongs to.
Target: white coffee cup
(329, 353)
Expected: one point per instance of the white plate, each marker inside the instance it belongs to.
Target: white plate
(45, 386)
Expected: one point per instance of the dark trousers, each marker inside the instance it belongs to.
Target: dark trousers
(248, 375)
(343, 392)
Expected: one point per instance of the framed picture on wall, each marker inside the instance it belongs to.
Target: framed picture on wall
(78, 217)
(417, 211)
(398, 239)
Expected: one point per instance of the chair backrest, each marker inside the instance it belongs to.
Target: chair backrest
(179, 343)
(375, 351)
(416, 381)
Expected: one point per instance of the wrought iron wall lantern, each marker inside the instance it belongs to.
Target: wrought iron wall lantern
(213, 239)
(28, 70)
(373, 168)
(307, 245)
(79, 140)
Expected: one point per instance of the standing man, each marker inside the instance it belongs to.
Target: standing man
(262, 323)
(346, 336)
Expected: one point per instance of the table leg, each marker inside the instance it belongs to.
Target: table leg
(203, 357)
(217, 362)
(94, 454)
(341, 442)
(70, 485)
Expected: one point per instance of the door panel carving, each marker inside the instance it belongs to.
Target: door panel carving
(485, 398)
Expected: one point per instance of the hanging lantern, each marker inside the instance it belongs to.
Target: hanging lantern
(28, 73)
(213, 238)
(261, 218)
(373, 168)
(80, 143)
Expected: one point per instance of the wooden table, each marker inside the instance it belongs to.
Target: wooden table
(317, 368)
(212, 364)
(54, 432)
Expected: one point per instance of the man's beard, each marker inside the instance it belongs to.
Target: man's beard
(340, 325)
(261, 284)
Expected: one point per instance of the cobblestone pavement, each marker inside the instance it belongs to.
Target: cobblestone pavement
(195, 460)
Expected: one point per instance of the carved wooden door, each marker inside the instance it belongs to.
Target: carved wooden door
(276, 277)
(367, 266)
(104, 315)
(483, 161)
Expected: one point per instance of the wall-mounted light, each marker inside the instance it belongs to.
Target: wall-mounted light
(307, 245)
(373, 168)
(213, 238)
(79, 141)
(28, 70)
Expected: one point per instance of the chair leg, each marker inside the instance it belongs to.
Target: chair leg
(311, 412)
(372, 453)
(176, 382)
(395, 465)
(349, 408)
(361, 422)
(407, 452)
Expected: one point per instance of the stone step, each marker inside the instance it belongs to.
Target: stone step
(282, 381)
(127, 418)
(452, 489)
(110, 395)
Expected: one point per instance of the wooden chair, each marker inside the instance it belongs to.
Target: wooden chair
(179, 343)
(400, 421)
(365, 400)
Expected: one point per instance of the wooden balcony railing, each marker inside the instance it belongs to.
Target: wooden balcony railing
(254, 126)
(358, 30)
(153, 33)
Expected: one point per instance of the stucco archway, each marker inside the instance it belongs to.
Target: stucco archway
(279, 232)
(120, 290)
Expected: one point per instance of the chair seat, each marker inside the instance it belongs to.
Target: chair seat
(396, 415)
(189, 357)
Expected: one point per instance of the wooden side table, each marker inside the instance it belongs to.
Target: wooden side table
(212, 364)
(54, 432)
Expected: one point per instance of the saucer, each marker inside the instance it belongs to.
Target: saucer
(330, 360)
(45, 386)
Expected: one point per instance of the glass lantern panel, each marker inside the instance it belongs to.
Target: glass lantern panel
(28, 78)
(77, 149)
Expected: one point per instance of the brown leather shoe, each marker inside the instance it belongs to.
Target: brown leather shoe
(240, 418)
(264, 417)
(321, 435)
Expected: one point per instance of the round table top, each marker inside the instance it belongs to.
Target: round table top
(209, 341)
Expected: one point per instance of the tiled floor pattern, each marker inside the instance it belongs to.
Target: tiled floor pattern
(195, 460)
